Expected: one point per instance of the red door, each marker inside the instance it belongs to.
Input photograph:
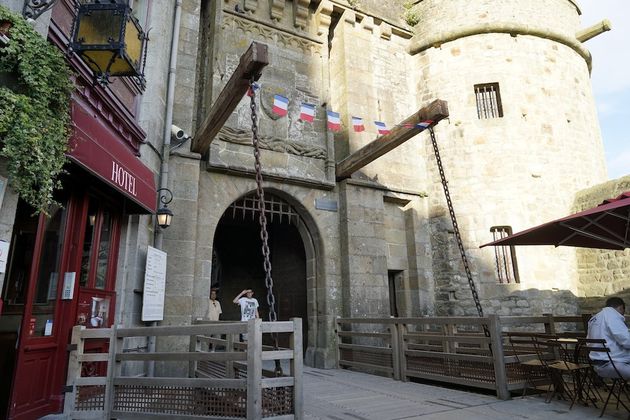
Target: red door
(34, 267)
(74, 247)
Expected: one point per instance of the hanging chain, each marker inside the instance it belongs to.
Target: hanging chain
(260, 194)
(458, 236)
(262, 219)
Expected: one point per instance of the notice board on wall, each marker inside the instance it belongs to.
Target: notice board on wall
(154, 284)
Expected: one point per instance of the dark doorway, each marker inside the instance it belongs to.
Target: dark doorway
(395, 278)
(238, 260)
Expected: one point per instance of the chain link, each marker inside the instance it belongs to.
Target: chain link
(260, 195)
(460, 243)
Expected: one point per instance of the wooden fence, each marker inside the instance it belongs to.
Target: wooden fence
(240, 389)
(446, 349)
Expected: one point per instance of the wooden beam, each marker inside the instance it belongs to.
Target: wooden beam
(250, 65)
(435, 111)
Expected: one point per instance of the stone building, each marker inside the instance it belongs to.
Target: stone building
(517, 81)
(521, 146)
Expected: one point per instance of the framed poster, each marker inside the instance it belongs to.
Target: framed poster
(96, 308)
(154, 284)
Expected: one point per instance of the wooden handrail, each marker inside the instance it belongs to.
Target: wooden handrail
(249, 360)
(448, 343)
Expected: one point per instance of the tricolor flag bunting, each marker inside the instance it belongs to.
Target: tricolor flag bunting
(357, 124)
(280, 105)
(252, 89)
(382, 128)
(334, 123)
(424, 124)
(307, 112)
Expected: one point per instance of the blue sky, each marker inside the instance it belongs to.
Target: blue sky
(611, 79)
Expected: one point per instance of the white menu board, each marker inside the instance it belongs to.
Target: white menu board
(154, 283)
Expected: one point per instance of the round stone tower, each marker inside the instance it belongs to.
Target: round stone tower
(523, 137)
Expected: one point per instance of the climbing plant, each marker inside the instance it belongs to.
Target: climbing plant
(35, 88)
(410, 15)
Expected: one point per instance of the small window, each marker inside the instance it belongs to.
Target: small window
(505, 256)
(488, 101)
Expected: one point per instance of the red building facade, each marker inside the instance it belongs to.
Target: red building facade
(62, 268)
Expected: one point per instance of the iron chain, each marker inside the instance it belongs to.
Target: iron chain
(458, 236)
(260, 195)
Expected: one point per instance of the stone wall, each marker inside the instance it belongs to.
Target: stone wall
(293, 148)
(518, 170)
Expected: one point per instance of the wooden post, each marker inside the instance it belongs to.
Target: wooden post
(194, 347)
(448, 330)
(229, 364)
(74, 369)
(339, 340)
(114, 369)
(550, 326)
(393, 331)
(297, 369)
(254, 369)
(402, 356)
(496, 342)
(250, 66)
(435, 111)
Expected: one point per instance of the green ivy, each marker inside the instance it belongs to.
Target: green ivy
(410, 15)
(35, 88)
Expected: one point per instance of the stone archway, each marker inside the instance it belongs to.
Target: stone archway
(238, 262)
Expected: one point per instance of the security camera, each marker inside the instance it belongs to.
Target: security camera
(178, 134)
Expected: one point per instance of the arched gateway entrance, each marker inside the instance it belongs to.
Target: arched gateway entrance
(237, 261)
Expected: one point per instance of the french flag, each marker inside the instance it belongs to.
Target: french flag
(334, 123)
(280, 105)
(307, 112)
(382, 128)
(357, 124)
(251, 91)
(424, 124)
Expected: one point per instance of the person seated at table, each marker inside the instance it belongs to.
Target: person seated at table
(609, 324)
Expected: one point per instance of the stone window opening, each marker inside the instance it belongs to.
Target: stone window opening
(488, 99)
(505, 257)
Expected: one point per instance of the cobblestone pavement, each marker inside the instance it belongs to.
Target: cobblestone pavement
(346, 395)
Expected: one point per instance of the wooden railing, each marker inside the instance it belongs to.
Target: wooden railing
(447, 349)
(109, 394)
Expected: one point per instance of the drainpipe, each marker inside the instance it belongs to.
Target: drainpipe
(166, 148)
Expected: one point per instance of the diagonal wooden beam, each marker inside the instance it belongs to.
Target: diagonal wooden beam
(250, 65)
(435, 111)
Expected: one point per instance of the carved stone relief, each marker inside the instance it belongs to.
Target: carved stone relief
(240, 136)
(271, 35)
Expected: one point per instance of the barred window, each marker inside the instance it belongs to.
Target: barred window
(488, 101)
(505, 256)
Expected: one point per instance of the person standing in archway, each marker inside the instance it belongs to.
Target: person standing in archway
(249, 307)
(214, 308)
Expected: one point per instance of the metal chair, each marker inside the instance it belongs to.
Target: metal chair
(551, 355)
(568, 371)
(587, 389)
(618, 384)
(532, 370)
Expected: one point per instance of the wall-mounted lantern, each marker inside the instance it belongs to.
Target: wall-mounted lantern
(164, 215)
(110, 40)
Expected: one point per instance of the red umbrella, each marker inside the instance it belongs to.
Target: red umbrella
(606, 226)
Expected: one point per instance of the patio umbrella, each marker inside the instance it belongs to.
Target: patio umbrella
(606, 226)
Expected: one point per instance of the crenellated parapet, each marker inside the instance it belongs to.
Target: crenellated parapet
(323, 17)
(277, 9)
(300, 14)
